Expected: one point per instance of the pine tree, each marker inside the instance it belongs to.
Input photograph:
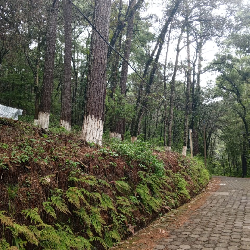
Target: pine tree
(66, 89)
(92, 129)
(46, 96)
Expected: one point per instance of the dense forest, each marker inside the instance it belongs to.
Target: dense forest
(110, 68)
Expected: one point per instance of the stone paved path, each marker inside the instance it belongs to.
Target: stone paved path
(220, 222)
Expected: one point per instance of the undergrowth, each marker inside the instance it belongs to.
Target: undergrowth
(58, 193)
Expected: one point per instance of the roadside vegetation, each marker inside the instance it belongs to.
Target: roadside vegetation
(58, 192)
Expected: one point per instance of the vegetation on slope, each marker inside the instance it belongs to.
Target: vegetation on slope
(58, 193)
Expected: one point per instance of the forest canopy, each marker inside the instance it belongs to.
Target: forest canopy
(112, 68)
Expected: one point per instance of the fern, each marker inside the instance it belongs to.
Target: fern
(181, 185)
(84, 216)
(82, 243)
(90, 180)
(94, 195)
(122, 186)
(73, 196)
(49, 209)
(20, 244)
(106, 202)
(33, 215)
(124, 205)
(17, 229)
(110, 236)
(59, 203)
(149, 202)
(66, 235)
(103, 183)
(99, 239)
(4, 245)
(97, 220)
(114, 216)
(49, 238)
(8, 221)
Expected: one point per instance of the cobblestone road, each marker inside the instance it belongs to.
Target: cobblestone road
(220, 222)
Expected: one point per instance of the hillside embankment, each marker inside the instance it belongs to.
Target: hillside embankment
(57, 192)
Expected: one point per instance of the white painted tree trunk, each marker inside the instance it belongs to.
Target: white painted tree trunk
(92, 130)
(191, 142)
(36, 122)
(115, 135)
(184, 150)
(65, 125)
(168, 149)
(43, 120)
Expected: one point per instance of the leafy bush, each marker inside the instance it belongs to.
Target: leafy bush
(141, 152)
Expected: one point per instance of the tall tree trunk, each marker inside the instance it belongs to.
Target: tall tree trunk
(114, 80)
(66, 88)
(187, 106)
(154, 62)
(165, 91)
(119, 28)
(47, 87)
(92, 129)
(37, 95)
(172, 95)
(197, 102)
(36, 81)
(119, 129)
(122, 24)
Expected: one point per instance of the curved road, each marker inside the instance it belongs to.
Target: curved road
(216, 220)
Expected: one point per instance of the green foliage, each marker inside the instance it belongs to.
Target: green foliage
(89, 210)
(181, 186)
(96, 220)
(42, 234)
(82, 213)
(18, 230)
(124, 206)
(110, 236)
(74, 195)
(107, 202)
(12, 191)
(122, 187)
(117, 107)
(150, 203)
(58, 202)
(33, 215)
(4, 245)
(141, 152)
(49, 209)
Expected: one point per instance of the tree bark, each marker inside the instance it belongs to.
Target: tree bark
(165, 91)
(66, 88)
(47, 87)
(119, 129)
(122, 24)
(187, 106)
(172, 95)
(92, 129)
(197, 102)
